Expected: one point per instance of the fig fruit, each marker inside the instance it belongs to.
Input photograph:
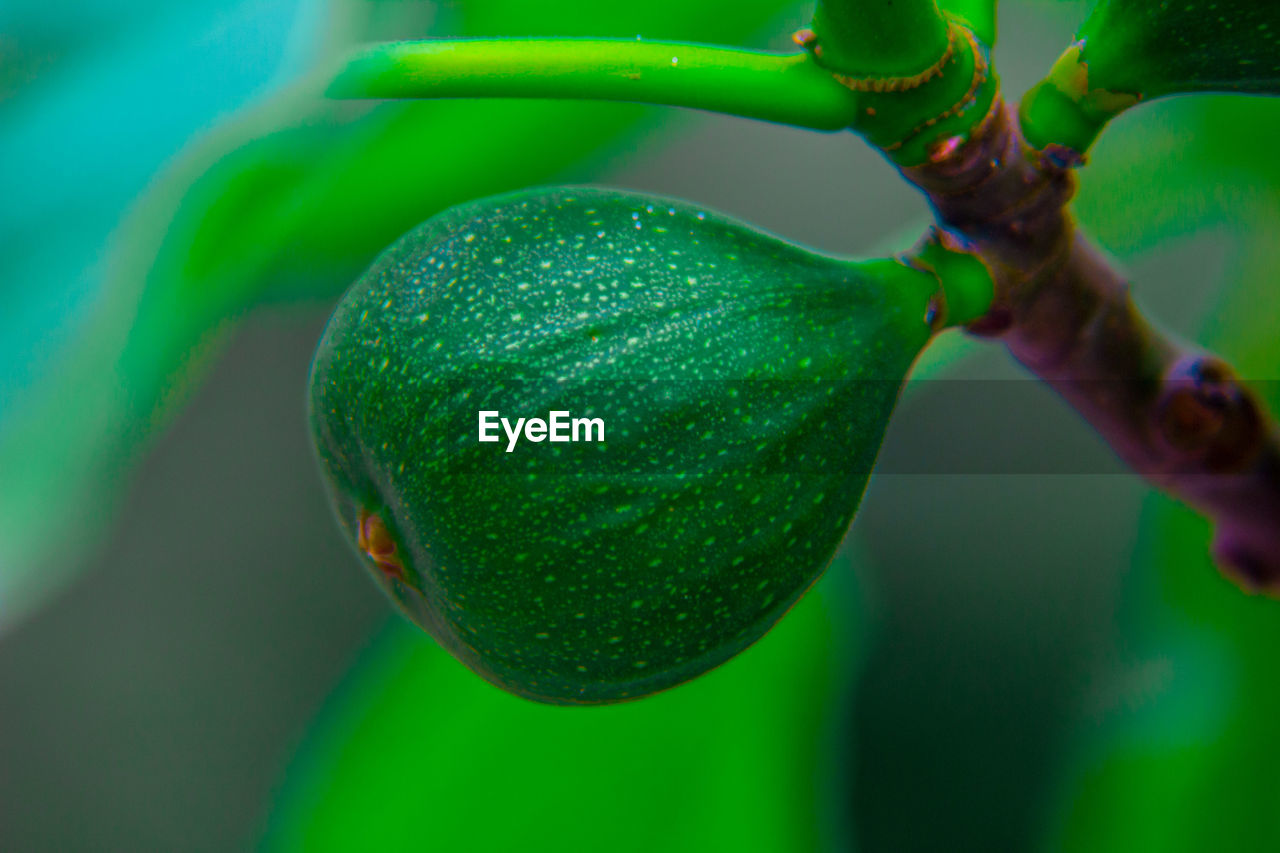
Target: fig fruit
(1131, 51)
(597, 442)
(1149, 48)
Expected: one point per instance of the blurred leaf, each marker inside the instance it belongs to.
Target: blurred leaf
(37, 38)
(63, 198)
(1237, 136)
(289, 200)
(1196, 169)
(59, 333)
(416, 752)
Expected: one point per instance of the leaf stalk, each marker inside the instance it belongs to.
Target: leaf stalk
(784, 88)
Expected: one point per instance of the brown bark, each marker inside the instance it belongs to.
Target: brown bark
(1175, 414)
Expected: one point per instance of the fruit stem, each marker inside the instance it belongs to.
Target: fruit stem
(785, 88)
(910, 108)
(881, 38)
(967, 284)
(1062, 111)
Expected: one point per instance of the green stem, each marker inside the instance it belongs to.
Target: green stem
(785, 88)
(1062, 110)
(965, 278)
(880, 38)
(977, 15)
(924, 78)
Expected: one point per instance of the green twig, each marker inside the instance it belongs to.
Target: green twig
(1064, 111)
(967, 283)
(881, 38)
(785, 88)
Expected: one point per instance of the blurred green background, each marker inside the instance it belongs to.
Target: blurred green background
(1008, 654)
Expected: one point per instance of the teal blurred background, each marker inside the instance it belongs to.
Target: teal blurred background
(191, 657)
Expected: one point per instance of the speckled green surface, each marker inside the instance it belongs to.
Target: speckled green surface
(745, 384)
(1159, 47)
(1130, 51)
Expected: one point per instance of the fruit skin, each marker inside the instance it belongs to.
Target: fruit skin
(1151, 48)
(745, 384)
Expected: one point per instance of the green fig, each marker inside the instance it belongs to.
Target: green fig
(682, 413)
(1150, 48)
(1129, 51)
